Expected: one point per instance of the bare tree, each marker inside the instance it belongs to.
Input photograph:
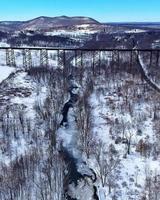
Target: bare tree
(107, 159)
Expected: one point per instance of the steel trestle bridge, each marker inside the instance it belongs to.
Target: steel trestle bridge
(43, 53)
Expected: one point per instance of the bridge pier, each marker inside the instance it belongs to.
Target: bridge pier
(27, 58)
(10, 57)
(157, 58)
(44, 58)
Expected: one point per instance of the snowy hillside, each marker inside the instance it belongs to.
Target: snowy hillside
(82, 133)
(5, 72)
(44, 23)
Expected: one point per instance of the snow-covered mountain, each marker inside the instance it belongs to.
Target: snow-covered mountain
(63, 21)
(44, 23)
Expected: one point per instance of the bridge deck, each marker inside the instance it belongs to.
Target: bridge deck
(77, 49)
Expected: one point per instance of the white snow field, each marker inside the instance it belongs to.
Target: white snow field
(5, 71)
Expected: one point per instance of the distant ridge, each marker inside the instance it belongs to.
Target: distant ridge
(44, 22)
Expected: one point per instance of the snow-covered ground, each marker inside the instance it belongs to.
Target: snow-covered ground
(106, 110)
(79, 30)
(148, 72)
(135, 31)
(22, 93)
(121, 109)
(4, 44)
(5, 71)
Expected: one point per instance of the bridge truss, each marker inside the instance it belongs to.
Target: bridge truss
(62, 56)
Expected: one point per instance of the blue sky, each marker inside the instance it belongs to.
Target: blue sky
(102, 10)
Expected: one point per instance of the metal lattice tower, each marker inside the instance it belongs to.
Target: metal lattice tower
(44, 58)
(10, 57)
(27, 58)
(61, 58)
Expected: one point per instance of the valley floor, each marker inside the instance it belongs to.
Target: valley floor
(108, 134)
